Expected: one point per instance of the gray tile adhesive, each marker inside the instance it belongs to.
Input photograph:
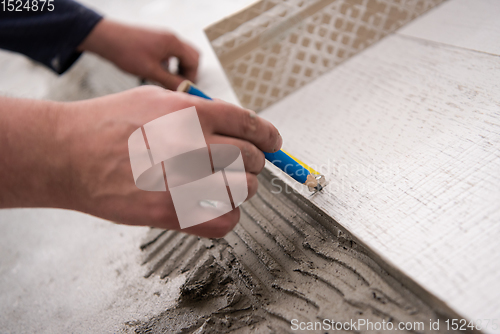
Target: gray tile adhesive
(285, 260)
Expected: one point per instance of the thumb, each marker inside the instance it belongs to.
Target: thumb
(165, 78)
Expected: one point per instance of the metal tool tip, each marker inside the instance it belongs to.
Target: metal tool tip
(321, 183)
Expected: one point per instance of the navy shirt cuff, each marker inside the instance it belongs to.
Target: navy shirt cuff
(48, 37)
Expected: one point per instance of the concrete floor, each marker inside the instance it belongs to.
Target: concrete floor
(63, 272)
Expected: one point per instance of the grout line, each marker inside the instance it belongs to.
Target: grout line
(420, 39)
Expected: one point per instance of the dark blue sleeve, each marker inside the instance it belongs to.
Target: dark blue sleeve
(49, 37)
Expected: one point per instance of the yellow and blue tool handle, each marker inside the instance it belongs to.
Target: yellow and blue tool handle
(280, 159)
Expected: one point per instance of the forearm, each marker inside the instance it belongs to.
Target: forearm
(33, 154)
(101, 40)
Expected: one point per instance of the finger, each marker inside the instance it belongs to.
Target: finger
(188, 67)
(253, 158)
(220, 226)
(165, 78)
(217, 227)
(253, 184)
(188, 58)
(230, 120)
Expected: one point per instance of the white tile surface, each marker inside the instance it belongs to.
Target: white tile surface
(408, 133)
(468, 24)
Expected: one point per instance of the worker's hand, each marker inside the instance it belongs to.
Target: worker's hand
(102, 184)
(143, 52)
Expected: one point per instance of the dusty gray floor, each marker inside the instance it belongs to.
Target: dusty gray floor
(63, 272)
(283, 261)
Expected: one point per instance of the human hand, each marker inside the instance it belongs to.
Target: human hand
(96, 133)
(143, 52)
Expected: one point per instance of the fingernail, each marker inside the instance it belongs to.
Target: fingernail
(279, 142)
(252, 113)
